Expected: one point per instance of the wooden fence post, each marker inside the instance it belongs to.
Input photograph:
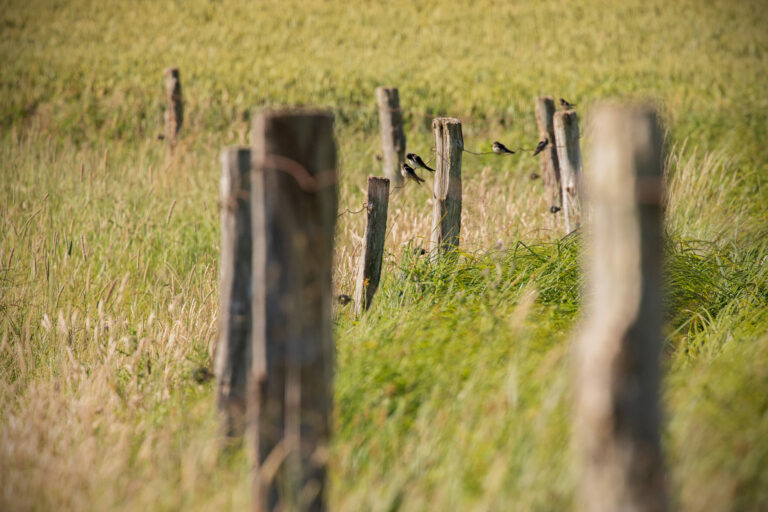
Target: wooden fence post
(233, 351)
(392, 134)
(446, 208)
(294, 203)
(617, 416)
(550, 169)
(174, 109)
(566, 125)
(369, 269)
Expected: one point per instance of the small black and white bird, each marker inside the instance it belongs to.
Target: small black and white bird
(501, 149)
(416, 162)
(566, 105)
(409, 174)
(540, 147)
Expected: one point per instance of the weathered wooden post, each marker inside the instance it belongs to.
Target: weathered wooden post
(293, 205)
(174, 108)
(550, 169)
(233, 351)
(392, 134)
(566, 124)
(369, 268)
(446, 209)
(617, 414)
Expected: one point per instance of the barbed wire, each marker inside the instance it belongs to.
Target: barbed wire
(314, 182)
(355, 212)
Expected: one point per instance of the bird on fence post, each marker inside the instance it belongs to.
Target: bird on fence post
(416, 161)
(540, 147)
(409, 174)
(501, 149)
(566, 105)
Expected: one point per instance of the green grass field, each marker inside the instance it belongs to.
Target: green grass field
(454, 392)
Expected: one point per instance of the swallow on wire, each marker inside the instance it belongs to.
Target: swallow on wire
(501, 149)
(566, 105)
(540, 147)
(409, 174)
(417, 162)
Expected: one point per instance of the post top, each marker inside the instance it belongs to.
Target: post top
(291, 112)
(445, 120)
(236, 149)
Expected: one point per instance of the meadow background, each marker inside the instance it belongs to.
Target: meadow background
(454, 392)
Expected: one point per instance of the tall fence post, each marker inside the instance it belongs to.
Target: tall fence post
(369, 269)
(294, 203)
(617, 416)
(446, 208)
(566, 124)
(233, 351)
(550, 169)
(174, 107)
(392, 134)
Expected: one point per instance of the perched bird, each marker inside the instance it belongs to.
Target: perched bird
(540, 147)
(416, 161)
(409, 174)
(566, 105)
(344, 299)
(501, 149)
(554, 209)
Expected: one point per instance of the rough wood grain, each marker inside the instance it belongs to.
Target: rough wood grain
(294, 202)
(550, 169)
(369, 268)
(392, 134)
(233, 351)
(566, 124)
(446, 208)
(617, 416)
(174, 107)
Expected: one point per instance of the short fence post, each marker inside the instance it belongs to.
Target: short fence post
(392, 134)
(294, 208)
(446, 208)
(233, 351)
(369, 269)
(617, 416)
(550, 169)
(174, 108)
(566, 125)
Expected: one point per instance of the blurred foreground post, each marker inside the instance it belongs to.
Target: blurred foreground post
(392, 134)
(550, 170)
(446, 207)
(369, 269)
(174, 108)
(293, 192)
(617, 417)
(233, 351)
(566, 124)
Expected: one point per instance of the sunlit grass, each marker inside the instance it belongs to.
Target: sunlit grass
(453, 392)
